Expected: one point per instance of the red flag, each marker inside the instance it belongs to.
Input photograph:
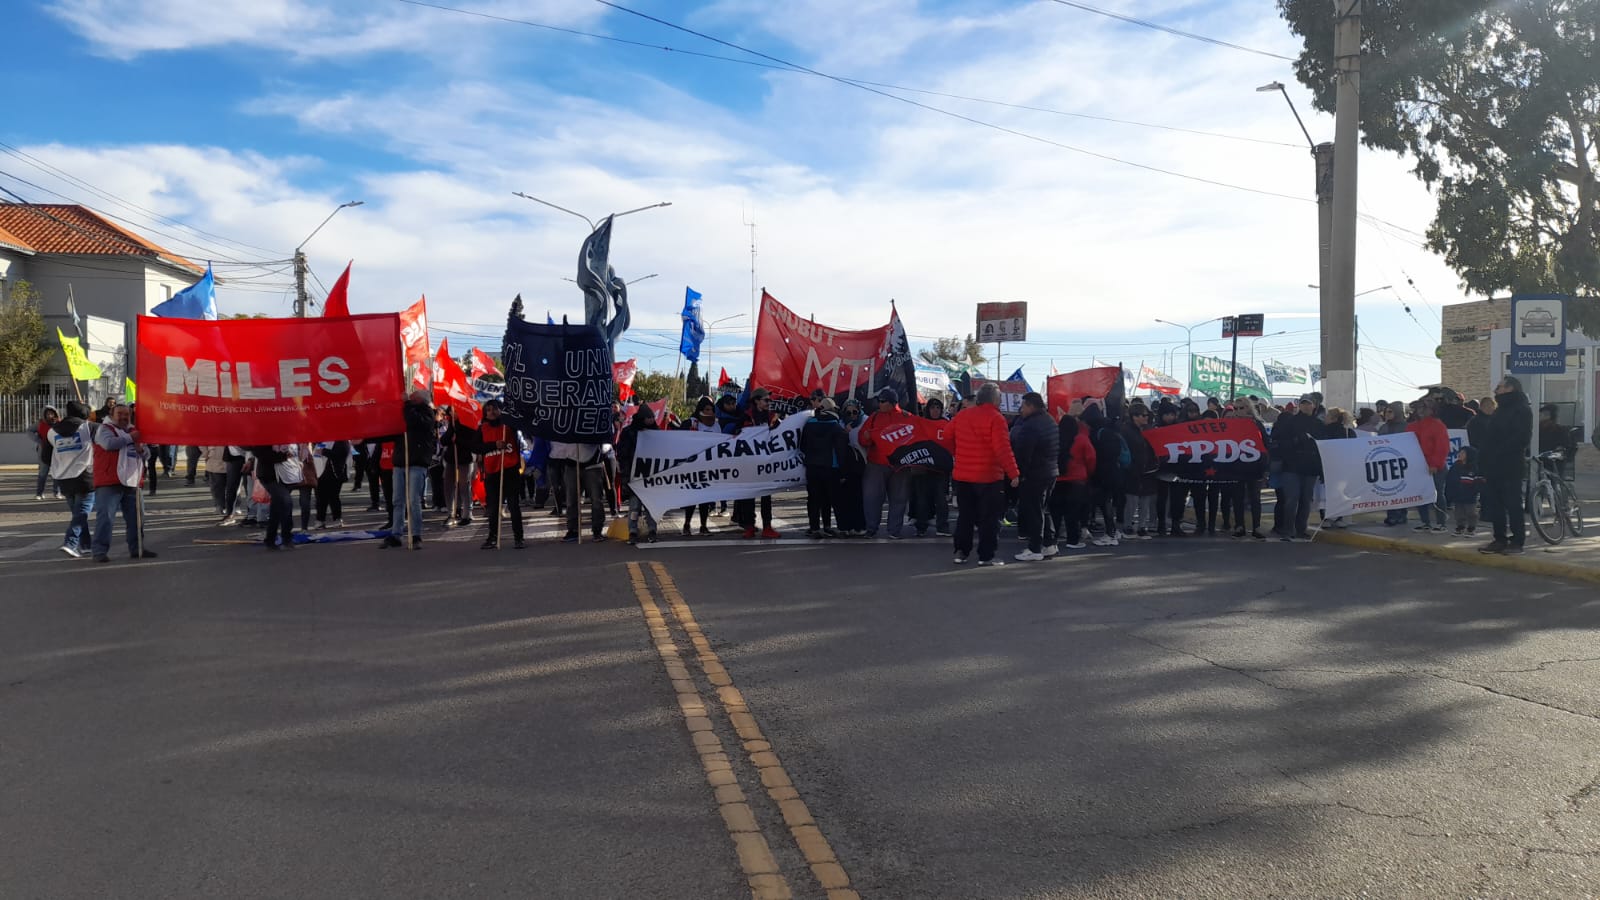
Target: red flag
(414, 340)
(622, 373)
(451, 388)
(723, 378)
(1062, 390)
(483, 364)
(338, 304)
(265, 381)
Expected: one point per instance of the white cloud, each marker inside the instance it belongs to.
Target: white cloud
(859, 198)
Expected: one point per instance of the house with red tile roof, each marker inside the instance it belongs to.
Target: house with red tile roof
(111, 274)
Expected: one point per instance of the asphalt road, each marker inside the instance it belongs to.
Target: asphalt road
(1200, 719)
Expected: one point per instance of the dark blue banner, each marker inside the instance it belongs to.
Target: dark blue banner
(558, 381)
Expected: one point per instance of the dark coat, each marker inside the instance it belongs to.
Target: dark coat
(1503, 455)
(1294, 440)
(825, 444)
(1036, 444)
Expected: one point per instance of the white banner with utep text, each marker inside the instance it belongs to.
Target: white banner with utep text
(1374, 472)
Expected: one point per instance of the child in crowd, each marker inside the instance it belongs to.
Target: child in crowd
(1461, 486)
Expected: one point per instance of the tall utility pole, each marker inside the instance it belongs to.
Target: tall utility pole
(301, 299)
(1339, 306)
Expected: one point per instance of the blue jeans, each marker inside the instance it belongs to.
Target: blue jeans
(409, 501)
(1299, 495)
(108, 501)
(44, 476)
(1437, 507)
(80, 503)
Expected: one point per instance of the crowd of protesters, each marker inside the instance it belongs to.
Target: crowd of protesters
(1086, 477)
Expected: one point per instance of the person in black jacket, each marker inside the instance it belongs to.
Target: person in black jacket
(1502, 461)
(414, 453)
(1036, 444)
(333, 461)
(644, 419)
(825, 447)
(1106, 484)
(1295, 440)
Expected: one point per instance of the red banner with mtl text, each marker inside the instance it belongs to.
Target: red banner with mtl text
(795, 356)
(268, 381)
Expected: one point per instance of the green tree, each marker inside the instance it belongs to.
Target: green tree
(24, 347)
(1498, 105)
(962, 351)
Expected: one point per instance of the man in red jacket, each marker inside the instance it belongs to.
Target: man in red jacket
(984, 464)
(1435, 440)
(883, 432)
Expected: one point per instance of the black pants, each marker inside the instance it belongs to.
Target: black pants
(1207, 497)
(1502, 505)
(191, 459)
(280, 513)
(930, 501)
(744, 512)
(1177, 495)
(848, 506)
(436, 487)
(1163, 502)
(1246, 495)
(150, 468)
(688, 515)
(822, 485)
(594, 482)
(230, 490)
(1032, 496)
(512, 490)
(306, 494)
(1068, 502)
(978, 507)
(374, 477)
(1104, 501)
(328, 500)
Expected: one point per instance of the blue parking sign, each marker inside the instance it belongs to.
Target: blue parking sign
(1538, 334)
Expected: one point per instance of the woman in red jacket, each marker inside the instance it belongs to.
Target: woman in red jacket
(1069, 502)
(983, 465)
(1435, 440)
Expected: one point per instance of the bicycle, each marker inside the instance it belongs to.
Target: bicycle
(1552, 503)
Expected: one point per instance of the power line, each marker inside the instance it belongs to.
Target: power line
(854, 81)
(945, 112)
(1173, 31)
(46, 167)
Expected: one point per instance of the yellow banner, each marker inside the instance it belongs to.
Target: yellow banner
(77, 360)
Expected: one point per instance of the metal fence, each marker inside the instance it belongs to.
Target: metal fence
(21, 413)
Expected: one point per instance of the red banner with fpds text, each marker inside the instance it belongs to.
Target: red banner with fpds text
(268, 381)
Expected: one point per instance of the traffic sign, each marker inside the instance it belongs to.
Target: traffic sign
(1000, 322)
(1249, 325)
(1538, 334)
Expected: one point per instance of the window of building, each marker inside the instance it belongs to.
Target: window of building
(168, 289)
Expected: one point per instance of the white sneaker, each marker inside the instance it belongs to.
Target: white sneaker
(1104, 541)
(71, 551)
(228, 521)
(1051, 550)
(338, 523)
(991, 563)
(38, 496)
(1028, 556)
(1078, 546)
(959, 560)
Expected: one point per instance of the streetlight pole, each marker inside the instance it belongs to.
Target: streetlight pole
(1322, 154)
(592, 225)
(301, 298)
(709, 326)
(1253, 346)
(1189, 345)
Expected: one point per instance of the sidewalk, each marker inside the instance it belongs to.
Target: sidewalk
(1576, 557)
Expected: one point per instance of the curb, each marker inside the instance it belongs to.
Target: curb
(1527, 565)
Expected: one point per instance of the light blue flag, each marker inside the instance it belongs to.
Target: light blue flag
(694, 331)
(197, 301)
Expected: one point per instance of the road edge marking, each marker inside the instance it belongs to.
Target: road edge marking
(1526, 565)
(750, 846)
(807, 835)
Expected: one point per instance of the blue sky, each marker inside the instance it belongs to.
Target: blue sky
(250, 119)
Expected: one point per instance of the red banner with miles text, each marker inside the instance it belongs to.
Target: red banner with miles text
(268, 381)
(795, 356)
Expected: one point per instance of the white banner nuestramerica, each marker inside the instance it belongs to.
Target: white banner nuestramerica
(674, 469)
(1374, 472)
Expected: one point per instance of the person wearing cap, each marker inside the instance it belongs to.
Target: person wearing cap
(882, 479)
(984, 464)
(759, 417)
(825, 446)
(1295, 439)
(498, 446)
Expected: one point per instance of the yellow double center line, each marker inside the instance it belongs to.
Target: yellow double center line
(755, 854)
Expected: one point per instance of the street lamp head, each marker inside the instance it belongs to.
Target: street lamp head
(1272, 86)
(352, 203)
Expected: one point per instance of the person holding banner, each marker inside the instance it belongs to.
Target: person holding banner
(497, 442)
(825, 446)
(984, 464)
(1295, 439)
(1434, 439)
(1246, 495)
(281, 469)
(758, 416)
(1141, 488)
(882, 479)
(119, 465)
(644, 419)
(703, 420)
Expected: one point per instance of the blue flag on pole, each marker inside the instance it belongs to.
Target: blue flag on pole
(1017, 376)
(197, 301)
(549, 319)
(694, 330)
